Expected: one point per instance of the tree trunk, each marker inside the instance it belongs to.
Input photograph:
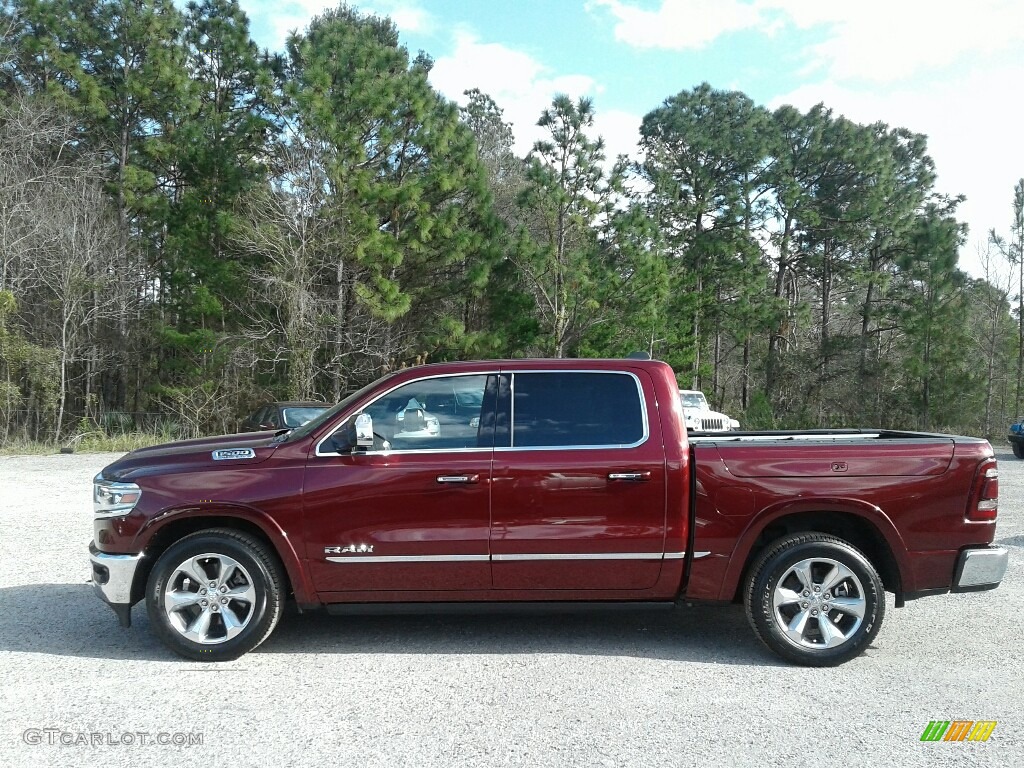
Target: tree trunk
(339, 330)
(775, 335)
(824, 351)
(696, 336)
(745, 375)
(1020, 334)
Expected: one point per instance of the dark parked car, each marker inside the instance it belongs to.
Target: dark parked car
(1016, 438)
(286, 415)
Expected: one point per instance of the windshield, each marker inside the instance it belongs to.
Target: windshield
(469, 398)
(693, 400)
(313, 424)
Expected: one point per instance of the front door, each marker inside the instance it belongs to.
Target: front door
(578, 497)
(413, 513)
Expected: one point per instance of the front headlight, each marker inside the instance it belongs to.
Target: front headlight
(113, 499)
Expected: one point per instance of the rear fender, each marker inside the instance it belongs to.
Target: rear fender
(869, 513)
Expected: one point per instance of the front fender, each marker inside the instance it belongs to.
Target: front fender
(221, 514)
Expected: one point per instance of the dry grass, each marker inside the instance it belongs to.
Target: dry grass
(88, 442)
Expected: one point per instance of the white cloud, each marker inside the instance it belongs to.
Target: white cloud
(621, 131)
(973, 136)
(283, 18)
(678, 24)
(408, 16)
(891, 40)
(875, 40)
(273, 21)
(518, 83)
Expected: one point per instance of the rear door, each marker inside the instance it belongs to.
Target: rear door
(578, 496)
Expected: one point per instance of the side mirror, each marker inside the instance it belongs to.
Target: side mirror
(341, 441)
(364, 431)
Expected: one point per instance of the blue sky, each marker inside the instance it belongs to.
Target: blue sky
(953, 71)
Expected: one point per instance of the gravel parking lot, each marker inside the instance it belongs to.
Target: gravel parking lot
(692, 687)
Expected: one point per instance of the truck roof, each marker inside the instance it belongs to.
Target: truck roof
(544, 363)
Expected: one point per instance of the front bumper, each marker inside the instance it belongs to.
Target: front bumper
(113, 578)
(980, 568)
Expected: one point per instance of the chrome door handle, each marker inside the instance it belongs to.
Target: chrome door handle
(632, 476)
(466, 479)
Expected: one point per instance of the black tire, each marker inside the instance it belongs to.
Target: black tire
(1018, 449)
(786, 565)
(255, 576)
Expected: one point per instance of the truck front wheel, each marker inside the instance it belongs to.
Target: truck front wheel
(814, 599)
(215, 595)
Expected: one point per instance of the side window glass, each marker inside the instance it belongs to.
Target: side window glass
(575, 409)
(431, 414)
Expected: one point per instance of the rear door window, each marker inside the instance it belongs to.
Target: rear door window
(576, 409)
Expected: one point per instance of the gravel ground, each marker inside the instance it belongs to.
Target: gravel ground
(642, 689)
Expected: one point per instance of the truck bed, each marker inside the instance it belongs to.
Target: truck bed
(911, 488)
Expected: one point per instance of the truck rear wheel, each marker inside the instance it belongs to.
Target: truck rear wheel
(814, 599)
(1018, 449)
(215, 595)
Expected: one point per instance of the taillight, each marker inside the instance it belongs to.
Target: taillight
(985, 496)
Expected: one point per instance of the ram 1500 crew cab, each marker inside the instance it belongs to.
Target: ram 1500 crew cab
(540, 482)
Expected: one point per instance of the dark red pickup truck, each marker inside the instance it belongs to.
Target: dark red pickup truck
(546, 482)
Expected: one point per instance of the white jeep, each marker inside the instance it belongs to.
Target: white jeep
(699, 416)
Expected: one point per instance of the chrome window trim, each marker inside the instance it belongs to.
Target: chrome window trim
(511, 413)
(410, 451)
(607, 446)
(385, 393)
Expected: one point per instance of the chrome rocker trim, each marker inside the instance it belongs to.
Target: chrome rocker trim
(357, 558)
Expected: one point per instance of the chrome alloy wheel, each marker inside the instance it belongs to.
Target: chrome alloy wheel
(209, 598)
(819, 603)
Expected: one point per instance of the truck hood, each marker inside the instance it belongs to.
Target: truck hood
(205, 452)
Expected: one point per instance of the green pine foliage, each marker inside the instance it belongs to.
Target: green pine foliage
(189, 225)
